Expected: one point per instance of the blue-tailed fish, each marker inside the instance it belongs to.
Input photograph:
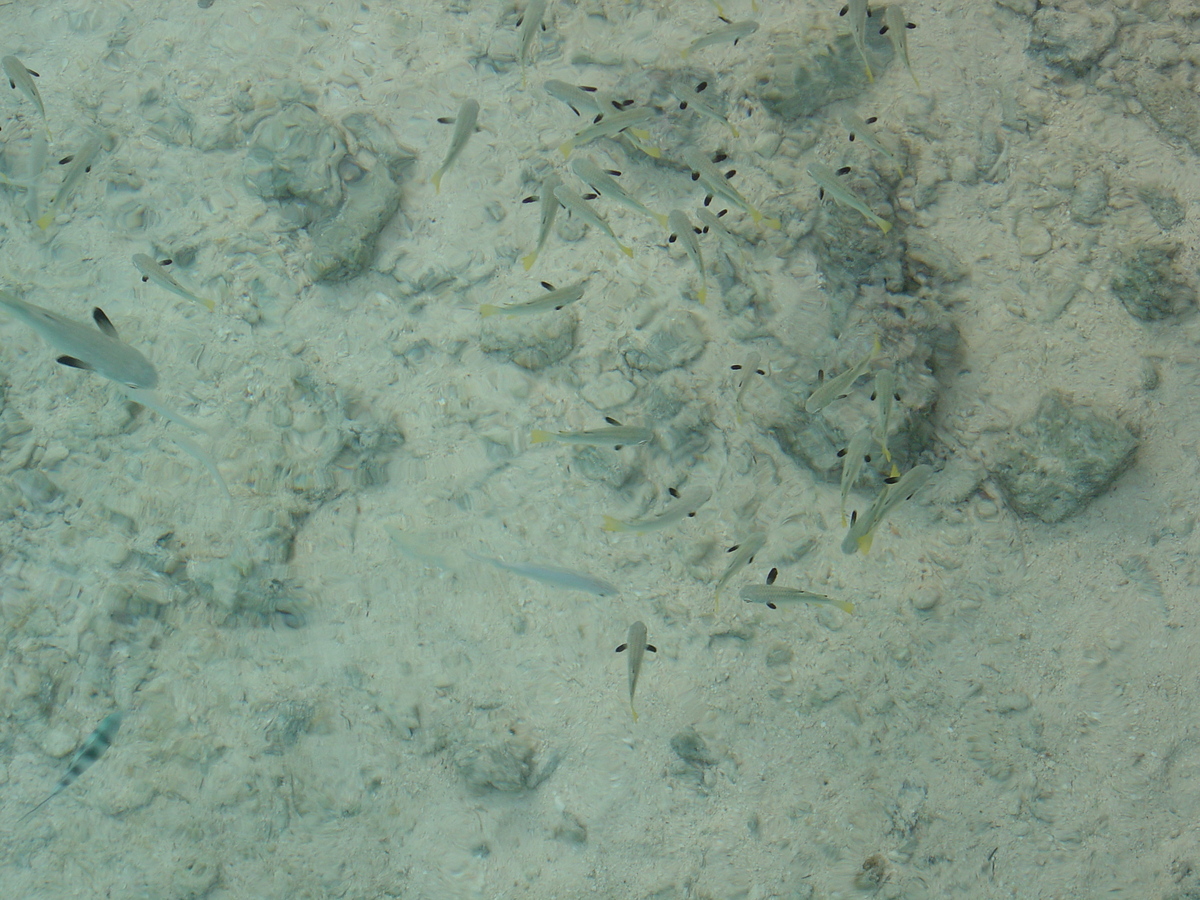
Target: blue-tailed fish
(683, 231)
(685, 505)
(155, 271)
(573, 203)
(610, 124)
(896, 491)
(839, 386)
(856, 11)
(896, 27)
(635, 645)
(464, 126)
(742, 554)
(21, 79)
(78, 165)
(694, 99)
(553, 575)
(549, 209)
(554, 299)
(603, 183)
(772, 594)
(101, 350)
(528, 26)
(830, 184)
(613, 435)
(731, 33)
(705, 171)
(90, 751)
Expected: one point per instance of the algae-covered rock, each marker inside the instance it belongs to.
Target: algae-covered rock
(532, 342)
(1062, 459)
(798, 78)
(293, 157)
(1149, 286)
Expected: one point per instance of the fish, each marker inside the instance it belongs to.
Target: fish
(743, 555)
(572, 202)
(829, 183)
(563, 578)
(685, 232)
(90, 751)
(833, 388)
(615, 435)
(78, 165)
(635, 644)
(717, 182)
(577, 97)
(464, 126)
(685, 505)
(859, 131)
(858, 12)
(156, 272)
(895, 27)
(549, 209)
(103, 352)
(746, 373)
(553, 299)
(772, 594)
(895, 492)
(694, 99)
(21, 79)
(610, 124)
(731, 33)
(605, 185)
(886, 397)
(853, 456)
(529, 25)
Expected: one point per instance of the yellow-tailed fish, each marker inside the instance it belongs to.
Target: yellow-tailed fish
(685, 505)
(77, 165)
(528, 26)
(695, 100)
(853, 456)
(685, 232)
(154, 271)
(772, 595)
(896, 27)
(554, 299)
(635, 645)
(610, 124)
(464, 126)
(731, 33)
(563, 578)
(614, 435)
(549, 209)
(833, 388)
(830, 184)
(717, 182)
(605, 185)
(862, 529)
(860, 131)
(885, 397)
(572, 202)
(579, 98)
(857, 12)
(21, 79)
(742, 554)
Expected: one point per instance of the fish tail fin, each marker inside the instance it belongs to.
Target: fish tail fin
(864, 542)
(529, 259)
(437, 181)
(633, 712)
(611, 524)
(845, 606)
(702, 295)
(565, 148)
(537, 436)
(44, 221)
(487, 309)
(661, 219)
(756, 216)
(628, 251)
(773, 223)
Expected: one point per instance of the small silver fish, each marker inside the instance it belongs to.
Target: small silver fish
(862, 529)
(694, 99)
(706, 172)
(685, 505)
(896, 26)
(610, 124)
(572, 202)
(553, 299)
(861, 131)
(772, 594)
(833, 388)
(78, 165)
(615, 435)
(886, 397)
(91, 750)
(563, 578)
(529, 24)
(464, 126)
(685, 232)
(605, 185)
(635, 644)
(742, 555)
(857, 12)
(155, 271)
(21, 79)
(830, 184)
(577, 97)
(549, 209)
(853, 456)
(731, 33)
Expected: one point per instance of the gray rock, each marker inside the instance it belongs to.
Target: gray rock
(797, 79)
(293, 157)
(1174, 107)
(1073, 40)
(692, 748)
(1149, 286)
(1090, 199)
(344, 244)
(672, 341)
(502, 763)
(1060, 460)
(532, 342)
(1164, 207)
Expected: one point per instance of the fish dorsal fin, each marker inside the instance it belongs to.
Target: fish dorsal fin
(103, 323)
(73, 363)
